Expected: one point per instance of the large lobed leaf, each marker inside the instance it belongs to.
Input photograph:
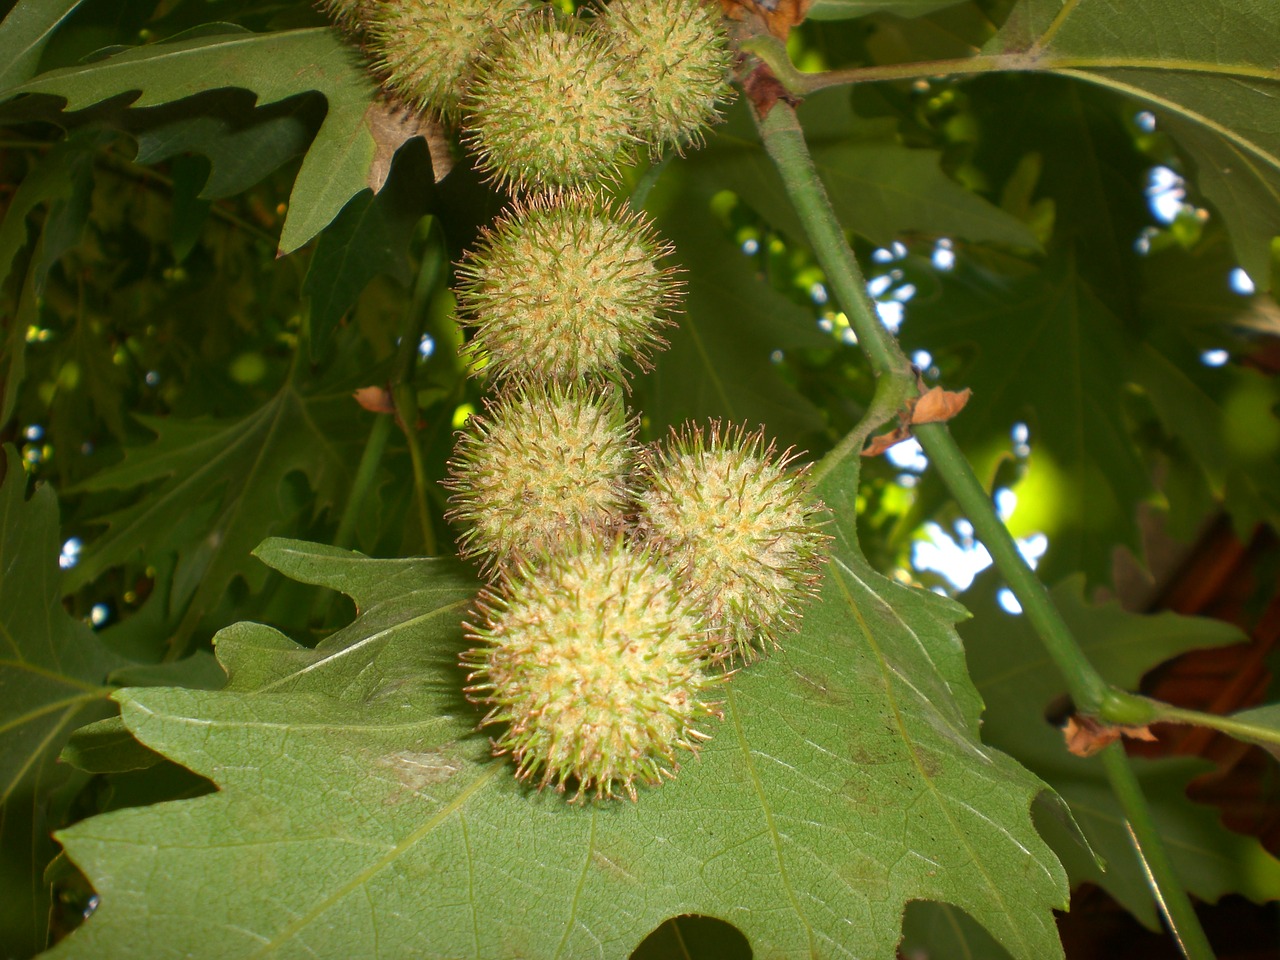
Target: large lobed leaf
(52, 679)
(1207, 68)
(719, 362)
(216, 487)
(24, 34)
(359, 814)
(275, 66)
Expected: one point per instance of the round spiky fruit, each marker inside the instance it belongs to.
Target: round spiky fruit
(346, 15)
(550, 107)
(740, 528)
(594, 659)
(678, 59)
(566, 287)
(427, 49)
(539, 465)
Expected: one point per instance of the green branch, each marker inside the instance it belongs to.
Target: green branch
(784, 140)
(773, 52)
(1252, 726)
(1170, 896)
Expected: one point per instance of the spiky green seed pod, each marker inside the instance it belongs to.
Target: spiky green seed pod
(593, 658)
(550, 107)
(427, 49)
(539, 465)
(740, 527)
(678, 58)
(565, 287)
(347, 15)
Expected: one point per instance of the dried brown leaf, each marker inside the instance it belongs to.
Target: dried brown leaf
(778, 15)
(375, 399)
(392, 125)
(938, 405)
(884, 441)
(1086, 736)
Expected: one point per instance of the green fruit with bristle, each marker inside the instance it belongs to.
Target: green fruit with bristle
(426, 50)
(739, 526)
(593, 658)
(550, 107)
(678, 59)
(347, 15)
(539, 465)
(566, 287)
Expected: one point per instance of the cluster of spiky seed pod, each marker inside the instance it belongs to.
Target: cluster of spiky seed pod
(547, 100)
(624, 581)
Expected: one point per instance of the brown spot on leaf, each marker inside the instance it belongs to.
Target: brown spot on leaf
(418, 770)
(610, 866)
(817, 686)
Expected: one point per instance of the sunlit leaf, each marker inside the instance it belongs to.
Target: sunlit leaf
(719, 362)
(848, 9)
(1046, 351)
(845, 780)
(880, 189)
(24, 33)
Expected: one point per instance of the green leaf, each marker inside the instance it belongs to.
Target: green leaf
(719, 364)
(64, 179)
(1221, 418)
(107, 746)
(1045, 350)
(938, 930)
(371, 236)
(218, 486)
(242, 145)
(880, 189)
(52, 678)
(1019, 684)
(1260, 726)
(24, 33)
(1207, 68)
(846, 779)
(275, 66)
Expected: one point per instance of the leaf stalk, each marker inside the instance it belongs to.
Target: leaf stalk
(784, 140)
(1170, 896)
